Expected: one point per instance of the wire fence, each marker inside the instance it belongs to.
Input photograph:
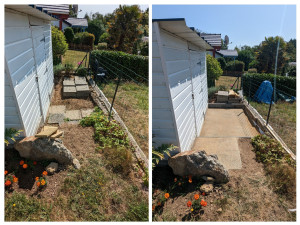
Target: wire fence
(279, 111)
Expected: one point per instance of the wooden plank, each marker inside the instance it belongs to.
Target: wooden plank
(47, 131)
(57, 134)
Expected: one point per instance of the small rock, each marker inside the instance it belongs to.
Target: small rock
(219, 210)
(207, 188)
(76, 164)
(52, 167)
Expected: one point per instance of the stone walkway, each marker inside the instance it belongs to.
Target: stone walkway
(75, 87)
(59, 114)
(220, 133)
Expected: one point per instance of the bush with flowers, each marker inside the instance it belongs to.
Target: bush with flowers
(41, 182)
(196, 205)
(27, 164)
(10, 179)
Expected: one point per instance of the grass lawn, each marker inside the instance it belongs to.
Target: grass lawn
(132, 105)
(282, 119)
(227, 81)
(73, 57)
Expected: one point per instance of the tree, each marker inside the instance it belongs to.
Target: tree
(59, 44)
(96, 28)
(267, 55)
(69, 34)
(125, 28)
(291, 50)
(214, 70)
(245, 56)
(224, 46)
(104, 38)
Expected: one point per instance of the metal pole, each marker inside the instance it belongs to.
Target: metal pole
(112, 103)
(249, 91)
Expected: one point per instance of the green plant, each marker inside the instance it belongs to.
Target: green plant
(214, 70)
(246, 56)
(252, 70)
(82, 71)
(102, 46)
(212, 91)
(222, 62)
(57, 69)
(235, 66)
(104, 38)
(254, 64)
(59, 44)
(69, 34)
(110, 60)
(253, 80)
(160, 152)
(10, 134)
(69, 68)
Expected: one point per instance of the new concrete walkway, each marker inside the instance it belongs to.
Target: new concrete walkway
(220, 133)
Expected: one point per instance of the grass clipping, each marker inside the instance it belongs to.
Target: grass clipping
(278, 164)
(113, 141)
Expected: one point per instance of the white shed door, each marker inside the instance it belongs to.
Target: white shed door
(197, 67)
(41, 67)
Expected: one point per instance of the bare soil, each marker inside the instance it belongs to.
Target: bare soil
(246, 197)
(71, 103)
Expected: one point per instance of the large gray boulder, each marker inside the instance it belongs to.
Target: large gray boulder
(198, 164)
(45, 149)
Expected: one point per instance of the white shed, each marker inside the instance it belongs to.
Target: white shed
(29, 76)
(179, 83)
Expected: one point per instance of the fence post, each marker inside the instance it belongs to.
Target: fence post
(270, 108)
(112, 103)
(249, 91)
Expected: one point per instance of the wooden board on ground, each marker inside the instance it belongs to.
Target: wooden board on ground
(57, 134)
(47, 131)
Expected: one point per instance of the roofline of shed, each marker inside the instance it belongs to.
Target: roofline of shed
(168, 19)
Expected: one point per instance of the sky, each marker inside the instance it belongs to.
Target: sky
(103, 9)
(244, 24)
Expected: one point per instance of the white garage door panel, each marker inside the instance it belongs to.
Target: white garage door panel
(27, 69)
(176, 66)
(19, 61)
(186, 93)
(14, 34)
(22, 85)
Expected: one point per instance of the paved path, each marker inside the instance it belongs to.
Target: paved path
(220, 133)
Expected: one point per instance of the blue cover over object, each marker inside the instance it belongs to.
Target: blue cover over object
(264, 92)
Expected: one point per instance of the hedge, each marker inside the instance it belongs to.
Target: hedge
(115, 61)
(285, 84)
(235, 66)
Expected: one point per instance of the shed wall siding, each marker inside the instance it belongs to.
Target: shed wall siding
(22, 57)
(162, 119)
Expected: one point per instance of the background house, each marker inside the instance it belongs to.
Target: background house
(213, 40)
(179, 83)
(28, 66)
(233, 54)
(80, 23)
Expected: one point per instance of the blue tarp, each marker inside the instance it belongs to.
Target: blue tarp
(264, 92)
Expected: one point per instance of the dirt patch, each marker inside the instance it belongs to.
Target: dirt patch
(71, 103)
(247, 196)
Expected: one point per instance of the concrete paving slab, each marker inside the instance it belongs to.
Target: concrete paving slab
(86, 112)
(57, 109)
(73, 114)
(69, 82)
(56, 118)
(82, 90)
(80, 80)
(69, 91)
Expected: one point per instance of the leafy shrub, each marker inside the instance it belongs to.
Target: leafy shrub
(160, 152)
(292, 71)
(222, 62)
(253, 80)
(10, 134)
(88, 39)
(235, 66)
(115, 62)
(69, 34)
(144, 48)
(69, 68)
(57, 69)
(82, 71)
(59, 44)
(252, 70)
(254, 64)
(212, 91)
(104, 38)
(214, 70)
(102, 46)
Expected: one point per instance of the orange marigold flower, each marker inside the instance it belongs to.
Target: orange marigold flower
(167, 195)
(179, 183)
(34, 162)
(15, 179)
(25, 166)
(190, 177)
(196, 196)
(175, 179)
(203, 203)
(203, 193)
(38, 184)
(159, 204)
(5, 172)
(189, 204)
(37, 178)
(43, 182)
(190, 181)
(7, 183)
(45, 173)
(21, 162)
(153, 207)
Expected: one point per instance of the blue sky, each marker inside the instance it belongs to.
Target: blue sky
(244, 24)
(103, 9)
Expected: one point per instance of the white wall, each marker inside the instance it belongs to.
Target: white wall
(23, 63)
